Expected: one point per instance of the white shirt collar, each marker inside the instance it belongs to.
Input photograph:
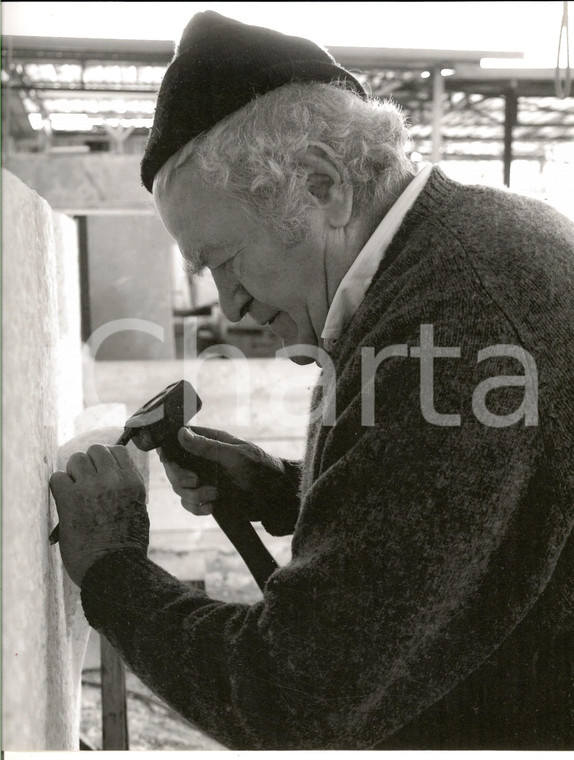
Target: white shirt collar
(355, 283)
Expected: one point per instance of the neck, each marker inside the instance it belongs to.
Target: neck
(339, 261)
(358, 232)
(339, 257)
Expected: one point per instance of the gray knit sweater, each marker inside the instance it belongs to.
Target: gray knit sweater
(429, 602)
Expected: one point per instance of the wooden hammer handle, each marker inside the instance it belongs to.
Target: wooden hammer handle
(230, 517)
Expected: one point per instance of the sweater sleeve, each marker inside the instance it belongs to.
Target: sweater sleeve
(418, 550)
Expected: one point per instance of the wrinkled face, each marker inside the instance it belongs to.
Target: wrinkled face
(254, 273)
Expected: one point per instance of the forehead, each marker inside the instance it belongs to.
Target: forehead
(199, 217)
(183, 200)
(192, 207)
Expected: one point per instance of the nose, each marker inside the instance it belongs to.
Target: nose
(233, 298)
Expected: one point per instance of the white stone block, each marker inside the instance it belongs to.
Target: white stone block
(44, 630)
(39, 706)
(100, 416)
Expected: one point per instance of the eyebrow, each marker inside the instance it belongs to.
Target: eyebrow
(195, 259)
(193, 262)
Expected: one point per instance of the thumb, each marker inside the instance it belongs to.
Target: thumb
(207, 448)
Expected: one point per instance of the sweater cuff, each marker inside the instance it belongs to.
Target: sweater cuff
(121, 590)
(281, 517)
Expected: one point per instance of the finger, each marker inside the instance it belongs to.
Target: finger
(120, 454)
(60, 482)
(80, 465)
(184, 491)
(199, 501)
(102, 457)
(197, 495)
(177, 474)
(214, 435)
(205, 493)
(199, 510)
(225, 454)
(188, 480)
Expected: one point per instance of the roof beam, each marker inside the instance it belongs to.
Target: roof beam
(162, 51)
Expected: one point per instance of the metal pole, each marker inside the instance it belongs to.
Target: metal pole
(114, 699)
(510, 120)
(84, 263)
(437, 113)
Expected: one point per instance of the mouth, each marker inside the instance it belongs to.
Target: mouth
(267, 322)
(261, 320)
(275, 325)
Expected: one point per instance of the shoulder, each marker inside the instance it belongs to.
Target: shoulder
(480, 216)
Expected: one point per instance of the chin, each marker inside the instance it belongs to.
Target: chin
(309, 351)
(302, 360)
(293, 338)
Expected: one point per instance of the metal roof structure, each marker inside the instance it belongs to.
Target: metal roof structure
(100, 94)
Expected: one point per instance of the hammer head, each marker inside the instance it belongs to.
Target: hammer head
(160, 418)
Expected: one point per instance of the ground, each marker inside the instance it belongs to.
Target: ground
(151, 724)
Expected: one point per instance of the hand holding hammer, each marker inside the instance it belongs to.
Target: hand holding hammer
(156, 424)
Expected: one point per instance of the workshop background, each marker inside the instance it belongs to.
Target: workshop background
(98, 314)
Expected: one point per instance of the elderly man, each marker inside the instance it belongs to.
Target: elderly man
(429, 599)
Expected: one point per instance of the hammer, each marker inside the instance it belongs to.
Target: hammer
(156, 424)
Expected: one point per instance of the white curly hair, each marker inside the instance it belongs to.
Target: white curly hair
(256, 152)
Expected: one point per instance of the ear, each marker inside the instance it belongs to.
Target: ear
(331, 194)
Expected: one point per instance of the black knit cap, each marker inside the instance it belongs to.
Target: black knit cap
(218, 67)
